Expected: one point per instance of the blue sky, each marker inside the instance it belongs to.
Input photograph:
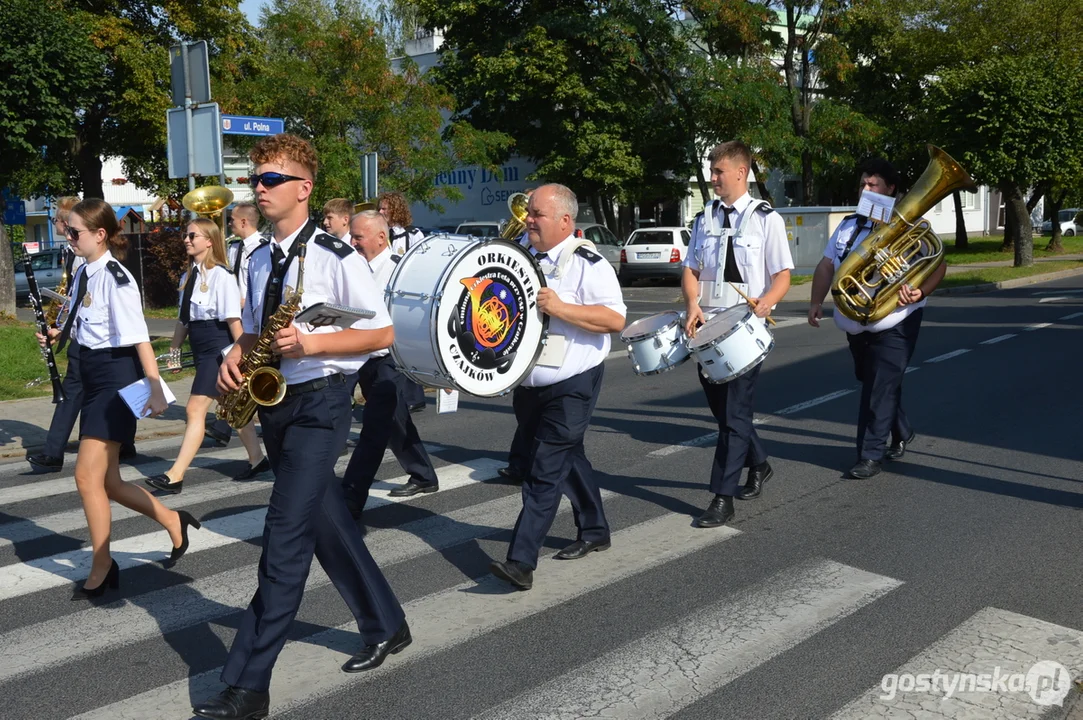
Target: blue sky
(251, 10)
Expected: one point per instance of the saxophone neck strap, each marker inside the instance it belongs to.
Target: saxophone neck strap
(276, 278)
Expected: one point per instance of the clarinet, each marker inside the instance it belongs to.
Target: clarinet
(43, 328)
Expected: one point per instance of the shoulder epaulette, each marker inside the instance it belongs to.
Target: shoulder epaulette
(584, 252)
(334, 245)
(118, 272)
(395, 259)
(765, 208)
(852, 216)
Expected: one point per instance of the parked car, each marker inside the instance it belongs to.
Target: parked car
(603, 238)
(1066, 218)
(47, 271)
(653, 253)
(479, 229)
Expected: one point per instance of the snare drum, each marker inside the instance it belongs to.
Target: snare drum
(731, 343)
(656, 343)
(466, 315)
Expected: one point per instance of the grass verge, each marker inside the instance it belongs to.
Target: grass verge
(979, 276)
(988, 250)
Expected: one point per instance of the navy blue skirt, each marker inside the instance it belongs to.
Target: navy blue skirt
(208, 338)
(104, 414)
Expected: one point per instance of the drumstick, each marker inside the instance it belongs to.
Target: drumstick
(749, 301)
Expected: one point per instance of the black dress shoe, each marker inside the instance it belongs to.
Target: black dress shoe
(898, 448)
(513, 474)
(373, 656)
(414, 488)
(865, 469)
(417, 407)
(235, 703)
(719, 512)
(111, 582)
(220, 439)
(580, 549)
(127, 452)
(757, 476)
(163, 483)
(513, 572)
(45, 462)
(254, 470)
(178, 552)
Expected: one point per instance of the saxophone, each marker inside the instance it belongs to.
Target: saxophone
(263, 383)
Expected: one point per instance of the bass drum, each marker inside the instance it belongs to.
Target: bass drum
(466, 315)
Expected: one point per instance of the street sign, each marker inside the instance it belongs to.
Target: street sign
(31, 247)
(245, 125)
(15, 212)
(198, 68)
(206, 142)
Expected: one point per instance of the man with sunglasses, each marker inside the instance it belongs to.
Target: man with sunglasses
(304, 434)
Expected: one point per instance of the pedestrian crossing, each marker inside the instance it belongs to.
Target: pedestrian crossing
(63, 660)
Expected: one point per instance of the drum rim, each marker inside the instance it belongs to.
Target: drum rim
(667, 368)
(654, 333)
(748, 368)
(433, 329)
(692, 346)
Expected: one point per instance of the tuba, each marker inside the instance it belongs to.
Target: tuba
(209, 201)
(866, 286)
(263, 383)
(516, 224)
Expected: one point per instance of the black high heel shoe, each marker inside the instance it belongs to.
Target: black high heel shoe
(187, 521)
(111, 581)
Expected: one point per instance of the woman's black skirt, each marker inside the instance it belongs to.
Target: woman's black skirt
(104, 414)
(208, 338)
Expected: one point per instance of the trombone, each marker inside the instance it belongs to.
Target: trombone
(175, 361)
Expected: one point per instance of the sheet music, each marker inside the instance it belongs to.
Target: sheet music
(447, 401)
(875, 206)
(137, 394)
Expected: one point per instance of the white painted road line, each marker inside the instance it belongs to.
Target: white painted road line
(669, 669)
(1057, 298)
(700, 441)
(1073, 316)
(910, 369)
(992, 643)
(1037, 326)
(998, 338)
(1058, 292)
(948, 356)
(55, 570)
(308, 669)
(814, 402)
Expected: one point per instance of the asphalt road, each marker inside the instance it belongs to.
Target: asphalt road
(964, 557)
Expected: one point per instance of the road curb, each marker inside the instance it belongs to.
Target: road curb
(1009, 284)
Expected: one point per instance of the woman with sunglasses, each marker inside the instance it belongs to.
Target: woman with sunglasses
(107, 321)
(210, 316)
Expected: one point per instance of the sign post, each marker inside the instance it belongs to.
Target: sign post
(370, 175)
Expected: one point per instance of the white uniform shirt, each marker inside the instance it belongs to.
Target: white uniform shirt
(582, 283)
(400, 240)
(761, 251)
(221, 301)
(328, 278)
(115, 316)
(382, 266)
(246, 247)
(836, 248)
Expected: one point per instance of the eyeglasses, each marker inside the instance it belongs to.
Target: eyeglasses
(271, 179)
(57, 221)
(193, 236)
(73, 233)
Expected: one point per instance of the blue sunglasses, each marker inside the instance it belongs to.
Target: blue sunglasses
(271, 179)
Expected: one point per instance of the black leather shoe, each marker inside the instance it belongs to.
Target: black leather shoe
(220, 439)
(163, 483)
(898, 448)
(417, 407)
(757, 476)
(178, 552)
(513, 572)
(128, 452)
(111, 582)
(373, 656)
(510, 473)
(254, 470)
(865, 469)
(48, 463)
(718, 513)
(580, 549)
(414, 488)
(235, 703)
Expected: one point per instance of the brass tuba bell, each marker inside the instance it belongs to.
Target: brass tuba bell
(209, 201)
(516, 224)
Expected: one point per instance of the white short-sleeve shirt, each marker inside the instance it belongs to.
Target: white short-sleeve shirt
(382, 266)
(402, 239)
(246, 247)
(220, 301)
(586, 280)
(329, 277)
(836, 252)
(111, 312)
(761, 250)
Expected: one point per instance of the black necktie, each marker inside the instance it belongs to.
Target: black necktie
(186, 299)
(541, 256)
(731, 273)
(76, 299)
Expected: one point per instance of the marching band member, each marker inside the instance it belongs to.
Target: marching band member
(402, 237)
(741, 241)
(51, 458)
(336, 218)
(210, 317)
(115, 351)
(386, 417)
(304, 434)
(554, 404)
(881, 350)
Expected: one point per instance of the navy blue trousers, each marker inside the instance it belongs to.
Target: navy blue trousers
(555, 418)
(307, 515)
(385, 421)
(66, 413)
(739, 445)
(880, 361)
(412, 392)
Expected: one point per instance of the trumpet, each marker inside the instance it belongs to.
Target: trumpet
(175, 360)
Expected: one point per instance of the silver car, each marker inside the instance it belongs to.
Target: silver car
(47, 271)
(604, 240)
